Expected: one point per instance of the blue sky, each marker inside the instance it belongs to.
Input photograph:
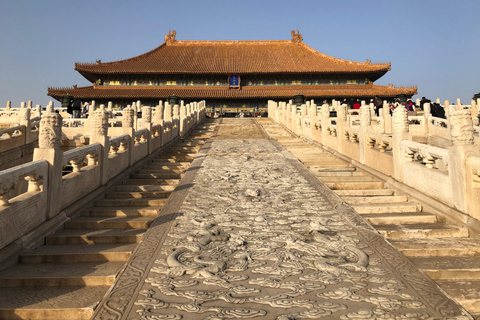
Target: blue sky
(433, 44)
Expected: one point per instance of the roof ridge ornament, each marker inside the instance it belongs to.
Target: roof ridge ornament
(170, 37)
(296, 37)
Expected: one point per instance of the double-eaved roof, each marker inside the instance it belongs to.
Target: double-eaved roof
(232, 58)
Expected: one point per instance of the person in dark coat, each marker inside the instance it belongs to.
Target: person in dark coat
(378, 103)
(76, 108)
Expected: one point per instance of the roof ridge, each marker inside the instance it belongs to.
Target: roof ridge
(229, 42)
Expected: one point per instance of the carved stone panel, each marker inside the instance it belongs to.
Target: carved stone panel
(461, 127)
(50, 134)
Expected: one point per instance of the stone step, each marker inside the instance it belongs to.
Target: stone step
(134, 202)
(422, 231)
(191, 149)
(339, 173)
(79, 253)
(321, 160)
(364, 193)
(160, 182)
(375, 208)
(400, 218)
(324, 164)
(144, 188)
(91, 236)
(143, 211)
(161, 169)
(304, 154)
(160, 175)
(318, 156)
(375, 199)
(465, 292)
(168, 164)
(57, 275)
(173, 158)
(138, 195)
(109, 223)
(443, 247)
(50, 303)
(449, 268)
(302, 149)
(164, 160)
(316, 169)
(173, 154)
(355, 185)
(341, 179)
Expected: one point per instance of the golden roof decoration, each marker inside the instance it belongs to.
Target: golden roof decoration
(296, 37)
(170, 37)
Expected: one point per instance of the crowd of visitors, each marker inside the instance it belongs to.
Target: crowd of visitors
(412, 108)
(78, 109)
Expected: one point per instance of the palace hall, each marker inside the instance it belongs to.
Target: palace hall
(230, 75)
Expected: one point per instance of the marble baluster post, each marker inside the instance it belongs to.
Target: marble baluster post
(400, 132)
(99, 135)
(49, 143)
(128, 119)
(463, 147)
(365, 128)
(147, 124)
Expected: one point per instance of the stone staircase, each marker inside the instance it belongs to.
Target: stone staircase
(445, 252)
(69, 275)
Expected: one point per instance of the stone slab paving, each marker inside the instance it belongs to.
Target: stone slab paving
(251, 233)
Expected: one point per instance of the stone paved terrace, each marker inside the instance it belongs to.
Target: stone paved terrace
(251, 233)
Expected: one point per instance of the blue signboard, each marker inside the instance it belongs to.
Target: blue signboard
(234, 81)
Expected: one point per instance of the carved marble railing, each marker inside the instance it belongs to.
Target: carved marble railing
(85, 176)
(331, 129)
(80, 128)
(81, 157)
(22, 210)
(351, 134)
(354, 120)
(474, 164)
(12, 132)
(119, 144)
(75, 122)
(379, 141)
(425, 154)
(437, 166)
(115, 122)
(18, 136)
(58, 180)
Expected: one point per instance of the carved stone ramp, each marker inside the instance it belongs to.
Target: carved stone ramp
(252, 233)
(67, 277)
(445, 252)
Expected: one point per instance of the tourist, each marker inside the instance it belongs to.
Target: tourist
(86, 107)
(410, 106)
(423, 101)
(357, 104)
(76, 108)
(351, 103)
(391, 107)
(378, 103)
